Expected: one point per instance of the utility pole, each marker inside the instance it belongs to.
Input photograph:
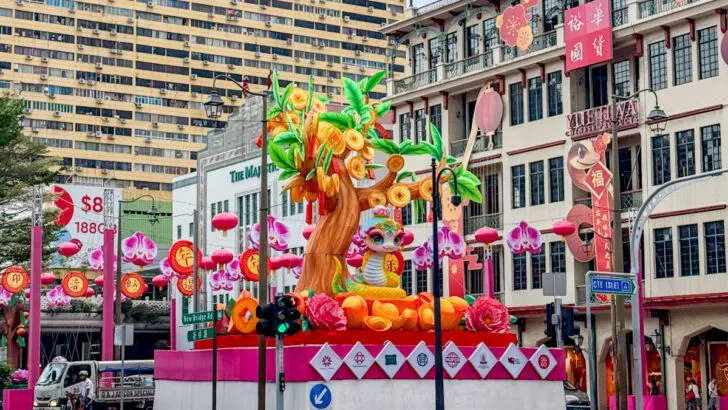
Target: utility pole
(263, 264)
(195, 262)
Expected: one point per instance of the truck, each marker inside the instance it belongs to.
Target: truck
(59, 384)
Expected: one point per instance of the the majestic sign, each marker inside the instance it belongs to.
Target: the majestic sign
(588, 34)
(599, 119)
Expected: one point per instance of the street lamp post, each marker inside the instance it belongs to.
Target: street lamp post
(153, 219)
(656, 119)
(436, 214)
(213, 109)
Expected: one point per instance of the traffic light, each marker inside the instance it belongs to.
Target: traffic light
(568, 325)
(550, 331)
(287, 315)
(267, 319)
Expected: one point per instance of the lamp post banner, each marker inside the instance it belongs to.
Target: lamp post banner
(452, 217)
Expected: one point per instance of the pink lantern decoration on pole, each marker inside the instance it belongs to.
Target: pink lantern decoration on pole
(489, 114)
(160, 281)
(724, 48)
(68, 249)
(222, 257)
(206, 263)
(90, 292)
(307, 231)
(563, 228)
(487, 236)
(224, 222)
(47, 279)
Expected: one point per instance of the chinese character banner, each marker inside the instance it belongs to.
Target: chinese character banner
(588, 34)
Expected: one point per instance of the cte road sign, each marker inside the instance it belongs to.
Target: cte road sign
(320, 396)
(200, 334)
(201, 317)
(612, 286)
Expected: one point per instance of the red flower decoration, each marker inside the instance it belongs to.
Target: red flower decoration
(488, 315)
(513, 18)
(323, 312)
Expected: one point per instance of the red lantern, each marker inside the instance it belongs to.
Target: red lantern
(160, 281)
(307, 231)
(222, 257)
(287, 260)
(206, 263)
(407, 238)
(47, 278)
(563, 228)
(90, 292)
(75, 284)
(27, 293)
(489, 113)
(68, 249)
(99, 281)
(224, 222)
(486, 236)
(355, 261)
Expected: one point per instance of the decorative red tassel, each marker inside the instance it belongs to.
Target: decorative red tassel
(259, 141)
(335, 167)
(398, 215)
(311, 146)
(309, 213)
(322, 203)
(429, 214)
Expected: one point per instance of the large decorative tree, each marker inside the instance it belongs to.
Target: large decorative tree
(321, 152)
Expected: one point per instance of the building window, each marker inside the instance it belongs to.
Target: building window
(621, 77)
(658, 65)
(421, 282)
(516, 97)
(435, 50)
(490, 33)
(405, 128)
(406, 214)
(685, 148)
(535, 99)
(625, 168)
(682, 59)
(520, 275)
(518, 184)
(179, 231)
(556, 179)
(689, 259)
(418, 58)
(472, 41)
(284, 203)
(537, 183)
(663, 253)
(715, 246)
(420, 126)
(599, 83)
(213, 208)
(558, 256)
(710, 143)
(436, 117)
(474, 278)
(406, 282)
(538, 267)
(451, 47)
(191, 229)
(660, 159)
(708, 52)
(554, 94)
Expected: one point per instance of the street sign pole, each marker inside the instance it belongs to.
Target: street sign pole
(554, 284)
(593, 395)
(556, 321)
(280, 376)
(214, 361)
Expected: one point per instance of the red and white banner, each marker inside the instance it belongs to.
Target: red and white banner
(588, 34)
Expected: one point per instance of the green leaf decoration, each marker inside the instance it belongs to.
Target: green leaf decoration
(229, 308)
(337, 119)
(287, 138)
(403, 175)
(320, 154)
(451, 159)
(404, 145)
(305, 325)
(289, 173)
(470, 299)
(363, 85)
(436, 140)
(467, 190)
(372, 81)
(4, 341)
(353, 94)
(322, 99)
(272, 112)
(382, 108)
(279, 157)
(21, 341)
(366, 116)
(372, 134)
(276, 89)
(385, 146)
(287, 94)
(327, 161)
(373, 166)
(468, 175)
(311, 174)
(310, 93)
(514, 320)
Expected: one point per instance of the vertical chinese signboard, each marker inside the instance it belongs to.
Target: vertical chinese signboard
(452, 217)
(588, 34)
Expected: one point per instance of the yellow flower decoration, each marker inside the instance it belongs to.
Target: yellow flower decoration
(299, 99)
(318, 106)
(525, 38)
(356, 167)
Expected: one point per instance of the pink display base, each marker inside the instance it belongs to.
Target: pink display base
(240, 364)
(650, 403)
(18, 399)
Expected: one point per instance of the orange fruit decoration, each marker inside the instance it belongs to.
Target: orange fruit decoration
(378, 324)
(377, 198)
(324, 131)
(356, 167)
(395, 163)
(297, 193)
(301, 307)
(398, 195)
(356, 310)
(426, 189)
(321, 178)
(243, 317)
(354, 139)
(426, 318)
(318, 106)
(20, 331)
(410, 319)
(311, 196)
(450, 318)
(299, 99)
(367, 153)
(389, 312)
(459, 304)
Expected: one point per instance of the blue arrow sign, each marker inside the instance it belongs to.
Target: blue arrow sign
(320, 396)
(612, 286)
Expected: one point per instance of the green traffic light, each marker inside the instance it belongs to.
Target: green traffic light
(282, 327)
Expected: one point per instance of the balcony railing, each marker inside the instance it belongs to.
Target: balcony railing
(434, 5)
(473, 223)
(620, 17)
(416, 81)
(584, 201)
(541, 42)
(653, 7)
(457, 148)
(467, 65)
(631, 199)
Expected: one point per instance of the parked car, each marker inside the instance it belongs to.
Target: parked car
(574, 396)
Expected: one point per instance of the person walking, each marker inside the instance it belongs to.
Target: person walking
(87, 394)
(692, 396)
(713, 398)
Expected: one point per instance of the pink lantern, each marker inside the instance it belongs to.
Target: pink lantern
(486, 236)
(159, 281)
(287, 260)
(27, 293)
(68, 249)
(77, 242)
(224, 222)
(207, 263)
(489, 114)
(563, 228)
(99, 281)
(222, 257)
(307, 231)
(355, 261)
(724, 48)
(90, 292)
(407, 238)
(47, 278)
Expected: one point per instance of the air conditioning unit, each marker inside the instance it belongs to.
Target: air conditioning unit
(82, 81)
(232, 18)
(263, 6)
(90, 134)
(364, 38)
(186, 60)
(51, 95)
(91, 82)
(104, 171)
(28, 111)
(257, 54)
(329, 64)
(231, 66)
(210, 15)
(352, 35)
(194, 94)
(44, 77)
(112, 32)
(98, 134)
(110, 136)
(186, 43)
(149, 139)
(330, 94)
(122, 120)
(19, 2)
(150, 4)
(138, 105)
(314, 43)
(56, 113)
(99, 66)
(357, 52)
(392, 42)
(233, 2)
(331, 79)
(346, 19)
(371, 9)
(36, 130)
(322, 16)
(155, 125)
(268, 24)
(96, 31)
(104, 119)
(193, 76)
(80, 46)
(44, 59)
(312, 61)
(275, 56)
(130, 19)
(28, 57)
(116, 51)
(346, 66)
(78, 169)
(163, 91)
(235, 97)
(72, 10)
(289, 41)
(180, 127)
(297, 58)
(362, 69)
(205, 62)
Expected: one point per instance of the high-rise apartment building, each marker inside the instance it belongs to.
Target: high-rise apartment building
(115, 87)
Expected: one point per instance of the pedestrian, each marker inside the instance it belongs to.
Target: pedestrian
(692, 396)
(654, 387)
(713, 398)
(87, 394)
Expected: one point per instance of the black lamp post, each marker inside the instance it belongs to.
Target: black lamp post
(436, 214)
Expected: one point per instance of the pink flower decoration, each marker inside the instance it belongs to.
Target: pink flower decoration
(352, 251)
(422, 257)
(487, 315)
(139, 249)
(514, 18)
(5, 297)
(215, 280)
(451, 244)
(278, 235)
(19, 376)
(167, 272)
(96, 260)
(524, 238)
(298, 268)
(323, 312)
(232, 270)
(57, 297)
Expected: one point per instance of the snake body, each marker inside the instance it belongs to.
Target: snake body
(358, 284)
